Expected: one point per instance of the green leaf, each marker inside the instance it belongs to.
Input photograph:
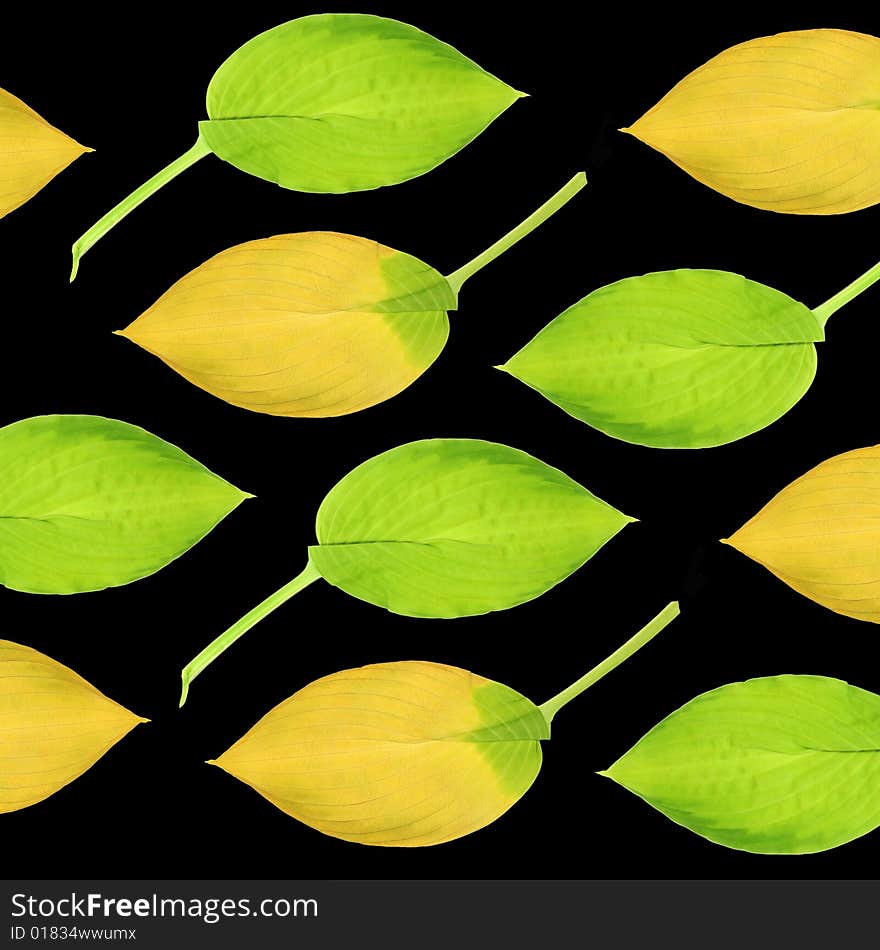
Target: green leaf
(675, 359)
(444, 528)
(455, 527)
(88, 503)
(777, 765)
(344, 102)
(334, 102)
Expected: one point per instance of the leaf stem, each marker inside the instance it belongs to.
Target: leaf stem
(647, 633)
(116, 214)
(860, 284)
(226, 639)
(547, 210)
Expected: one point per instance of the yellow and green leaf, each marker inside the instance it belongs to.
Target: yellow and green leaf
(402, 754)
(405, 754)
(313, 324)
(310, 324)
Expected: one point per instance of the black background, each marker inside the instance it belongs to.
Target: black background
(131, 84)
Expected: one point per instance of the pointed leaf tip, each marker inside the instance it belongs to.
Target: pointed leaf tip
(819, 534)
(33, 153)
(746, 123)
(765, 766)
(605, 360)
(129, 492)
(56, 725)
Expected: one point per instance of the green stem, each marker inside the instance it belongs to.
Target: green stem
(547, 210)
(216, 647)
(648, 632)
(115, 215)
(860, 284)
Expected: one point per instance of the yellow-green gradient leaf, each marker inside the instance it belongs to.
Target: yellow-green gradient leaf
(311, 324)
(32, 152)
(821, 534)
(786, 123)
(402, 754)
(53, 726)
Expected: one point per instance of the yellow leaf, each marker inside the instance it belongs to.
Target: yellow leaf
(32, 152)
(821, 534)
(311, 324)
(786, 123)
(402, 754)
(53, 726)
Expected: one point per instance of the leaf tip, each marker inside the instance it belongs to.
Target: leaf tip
(522, 95)
(75, 267)
(502, 367)
(184, 689)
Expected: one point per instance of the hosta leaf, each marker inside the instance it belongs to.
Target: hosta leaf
(88, 503)
(312, 324)
(32, 152)
(453, 527)
(786, 123)
(675, 359)
(53, 726)
(821, 534)
(342, 102)
(445, 528)
(335, 102)
(402, 754)
(405, 754)
(777, 765)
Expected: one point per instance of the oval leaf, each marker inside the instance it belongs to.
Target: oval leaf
(398, 754)
(455, 527)
(55, 726)
(821, 534)
(88, 503)
(313, 324)
(786, 123)
(777, 765)
(335, 102)
(444, 528)
(343, 102)
(675, 359)
(32, 154)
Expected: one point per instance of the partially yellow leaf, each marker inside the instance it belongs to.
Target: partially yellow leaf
(311, 324)
(53, 726)
(821, 534)
(786, 123)
(32, 152)
(402, 754)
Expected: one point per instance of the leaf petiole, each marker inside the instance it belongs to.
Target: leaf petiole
(850, 292)
(635, 643)
(253, 617)
(547, 210)
(117, 213)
